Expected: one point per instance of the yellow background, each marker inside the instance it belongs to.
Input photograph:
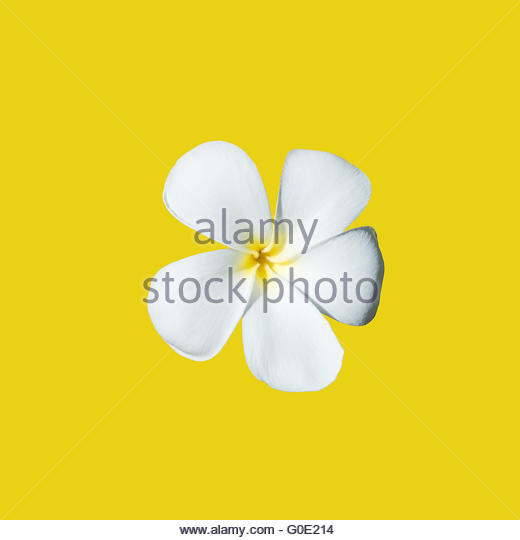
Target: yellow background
(92, 425)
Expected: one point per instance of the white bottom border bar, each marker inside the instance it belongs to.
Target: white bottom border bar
(280, 529)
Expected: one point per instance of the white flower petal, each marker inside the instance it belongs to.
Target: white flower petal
(354, 256)
(212, 177)
(319, 186)
(291, 347)
(198, 330)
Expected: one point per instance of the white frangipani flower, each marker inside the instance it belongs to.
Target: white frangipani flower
(289, 345)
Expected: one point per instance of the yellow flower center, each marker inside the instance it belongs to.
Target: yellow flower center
(259, 257)
(265, 256)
